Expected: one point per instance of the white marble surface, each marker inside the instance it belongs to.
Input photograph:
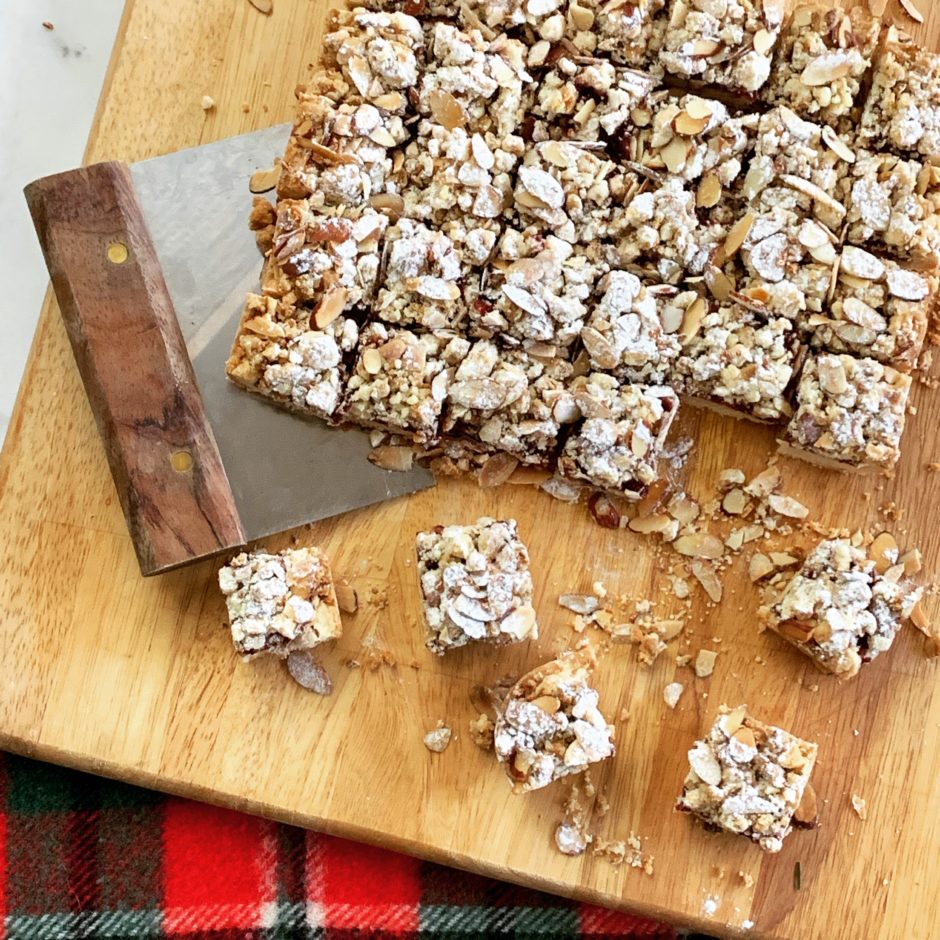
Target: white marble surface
(50, 81)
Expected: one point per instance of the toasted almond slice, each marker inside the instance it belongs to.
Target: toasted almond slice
(529, 476)
(346, 597)
(759, 567)
(912, 11)
(708, 194)
(685, 123)
(264, 181)
(581, 17)
(263, 6)
(390, 203)
(807, 813)
(705, 663)
(332, 305)
(883, 552)
(814, 192)
(325, 154)
(382, 137)
(826, 68)
(579, 603)
(719, 284)
(812, 235)
(482, 153)
(704, 47)
(699, 545)
(692, 320)
(391, 101)
(392, 457)
(787, 506)
(674, 154)
(837, 145)
(372, 360)
(736, 236)
(526, 199)
(447, 110)
(699, 108)
(547, 703)
(763, 41)
(824, 254)
(858, 804)
(705, 574)
(919, 618)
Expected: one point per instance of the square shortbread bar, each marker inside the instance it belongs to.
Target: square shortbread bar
(838, 609)
(280, 603)
(850, 413)
(747, 778)
(285, 355)
(549, 726)
(476, 585)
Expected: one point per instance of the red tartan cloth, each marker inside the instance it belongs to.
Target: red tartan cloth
(85, 857)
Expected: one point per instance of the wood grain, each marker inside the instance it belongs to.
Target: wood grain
(134, 365)
(136, 678)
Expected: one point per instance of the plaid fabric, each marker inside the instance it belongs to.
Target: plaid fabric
(81, 856)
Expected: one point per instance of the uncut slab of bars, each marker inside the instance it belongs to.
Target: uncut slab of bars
(492, 216)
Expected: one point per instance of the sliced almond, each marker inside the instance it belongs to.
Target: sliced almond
(837, 145)
(745, 737)
(920, 619)
(372, 360)
(579, 603)
(705, 765)
(692, 320)
(685, 123)
(814, 193)
(263, 6)
(858, 804)
(862, 264)
(390, 203)
(883, 551)
(704, 47)
(759, 567)
(708, 194)
(699, 545)
(497, 470)
(706, 575)
(807, 813)
(332, 305)
(787, 506)
(658, 523)
(705, 663)
(912, 11)
(795, 630)
(264, 181)
(447, 110)
(674, 154)
(699, 108)
(529, 476)
(912, 561)
(581, 17)
(737, 235)
(813, 235)
(392, 457)
(346, 597)
(391, 101)
(719, 284)
(763, 41)
(734, 502)
(826, 68)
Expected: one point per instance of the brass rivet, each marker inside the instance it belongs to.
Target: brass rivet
(181, 461)
(117, 253)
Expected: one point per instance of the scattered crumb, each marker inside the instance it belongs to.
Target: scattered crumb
(599, 588)
(747, 924)
(672, 693)
(246, 108)
(933, 467)
(352, 664)
(624, 714)
(481, 732)
(683, 659)
(438, 739)
(570, 839)
(47, 25)
(208, 103)
(709, 906)
(705, 663)
(617, 852)
(860, 806)
(746, 879)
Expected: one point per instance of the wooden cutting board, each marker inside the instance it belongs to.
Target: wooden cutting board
(136, 679)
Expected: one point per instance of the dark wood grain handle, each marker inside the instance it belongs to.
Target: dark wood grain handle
(133, 362)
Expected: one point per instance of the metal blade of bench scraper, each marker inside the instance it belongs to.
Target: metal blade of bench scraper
(283, 470)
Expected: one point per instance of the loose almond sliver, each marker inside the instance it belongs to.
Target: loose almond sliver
(699, 545)
(739, 231)
(708, 194)
(332, 305)
(837, 145)
(912, 11)
(883, 552)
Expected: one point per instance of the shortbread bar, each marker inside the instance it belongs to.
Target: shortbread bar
(691, 137)
(474, 83)
(632, 331)
(381, 55)
(589, 100)
(549, 725)
(400, 380)
(737, 362)
(877, 310)
(291, 356)
(810, 159)
(340, 152)
(572, 190)
(476, 585)
(747, 778)
(903, 110)
(729, 43)
(822, 60)
(535, 291)
(280, 603)
(894, 207)
(618, 443)
(507, 400)
(316, 255)
(838, 609)
(849, 413)
(423, 276)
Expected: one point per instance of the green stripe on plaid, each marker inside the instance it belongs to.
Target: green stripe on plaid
(477, 921)
(99, 924)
